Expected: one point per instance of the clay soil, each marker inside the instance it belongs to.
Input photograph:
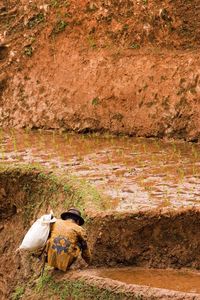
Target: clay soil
(153, 238)
(121, 66)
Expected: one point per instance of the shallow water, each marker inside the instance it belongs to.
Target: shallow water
(185, 281)
(131, 172)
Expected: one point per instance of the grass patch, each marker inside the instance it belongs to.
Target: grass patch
(43, 190)
(59, 3)
(91, 41)
(135, 46)
(43, 281)
(59, 27)
(35, 20)
(95, 101)
(77, 289)
(28, 50)
(18, 293)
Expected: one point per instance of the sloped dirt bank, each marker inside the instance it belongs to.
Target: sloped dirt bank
(25, 194)
(19, 201)
(83, 285)
(152, 238)
(143, 94)
(148, 238)
(123, 66)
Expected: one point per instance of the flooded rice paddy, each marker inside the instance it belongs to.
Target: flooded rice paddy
(130, 172)
(184, 281)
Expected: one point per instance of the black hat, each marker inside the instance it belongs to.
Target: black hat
(73, 213)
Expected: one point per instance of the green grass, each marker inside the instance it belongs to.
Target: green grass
(77, 290)
(35, 20)
(59, 3)
(43, 281)
(91, 41)
(59, 26)
(43, 189)
(18, 293)
(135, 46)
(95, 101)
(28, 50)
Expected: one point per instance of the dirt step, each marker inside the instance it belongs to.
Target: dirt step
(177, 280)
(139, 283)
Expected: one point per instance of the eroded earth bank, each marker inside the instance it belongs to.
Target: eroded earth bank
(150, 238)
(121, 66)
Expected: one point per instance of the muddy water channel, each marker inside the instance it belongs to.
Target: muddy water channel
(131, 172)
(184, 281)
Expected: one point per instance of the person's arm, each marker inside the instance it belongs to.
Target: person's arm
(85, 251)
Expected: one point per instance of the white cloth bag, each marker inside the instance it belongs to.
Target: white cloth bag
(37, 235)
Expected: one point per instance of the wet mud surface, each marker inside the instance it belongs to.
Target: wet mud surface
(140, 61)
(129, 291)
(132, 173)
(154, 238)
(182, 280)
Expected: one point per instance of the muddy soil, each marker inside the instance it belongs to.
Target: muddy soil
(145, 284)
(182, 280)
(131, 173)
(154, 238)
(119, 66)
(88, 285)
(25, 194)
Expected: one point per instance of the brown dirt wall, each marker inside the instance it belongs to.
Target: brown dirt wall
(26, 193)
(122, 66)
(19, 205)
(154, 238)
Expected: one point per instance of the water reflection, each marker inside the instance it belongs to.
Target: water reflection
(132, 172)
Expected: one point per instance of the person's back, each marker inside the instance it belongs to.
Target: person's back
(66, 242)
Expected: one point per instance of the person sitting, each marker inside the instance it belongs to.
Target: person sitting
(67, 240)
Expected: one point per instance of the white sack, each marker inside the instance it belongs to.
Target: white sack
(37, 235)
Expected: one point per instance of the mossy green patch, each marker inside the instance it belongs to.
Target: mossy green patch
(18, 293)
(77, 289)
(42, 190)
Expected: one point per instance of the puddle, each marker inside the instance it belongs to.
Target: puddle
(184, 281)
(131, 172)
